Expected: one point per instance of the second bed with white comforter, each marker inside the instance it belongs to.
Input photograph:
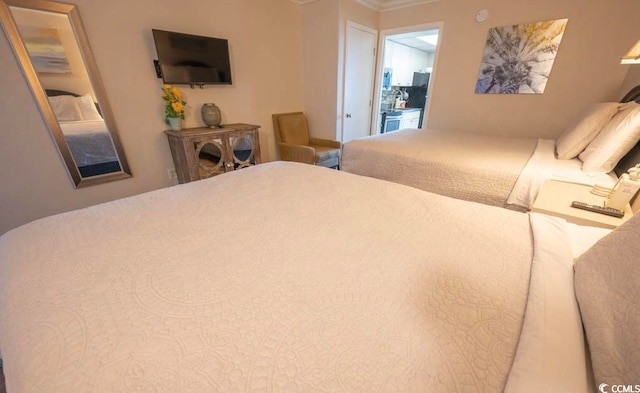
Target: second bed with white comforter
(497, 171)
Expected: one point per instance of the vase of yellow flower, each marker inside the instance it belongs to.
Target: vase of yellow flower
(175, 123)
(174, 106)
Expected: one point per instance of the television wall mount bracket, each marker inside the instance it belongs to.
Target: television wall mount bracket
(156, 64)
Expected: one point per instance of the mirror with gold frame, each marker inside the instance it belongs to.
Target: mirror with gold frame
(52, 48)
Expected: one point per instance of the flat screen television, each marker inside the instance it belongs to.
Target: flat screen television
(192, 59)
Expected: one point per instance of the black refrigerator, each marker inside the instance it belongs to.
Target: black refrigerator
(418, 93)
(421, 79)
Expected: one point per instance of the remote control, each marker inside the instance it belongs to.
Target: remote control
(609, 211)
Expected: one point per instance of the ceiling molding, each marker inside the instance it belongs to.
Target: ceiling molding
(388, 5)
(381, 5)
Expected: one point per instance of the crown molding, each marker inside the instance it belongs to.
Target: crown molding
(388, 5)
(381, 5)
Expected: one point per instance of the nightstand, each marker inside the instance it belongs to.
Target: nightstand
(555, 199)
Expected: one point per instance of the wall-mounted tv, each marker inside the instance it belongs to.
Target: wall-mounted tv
(192, 59)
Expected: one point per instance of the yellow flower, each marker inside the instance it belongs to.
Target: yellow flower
(174, 103)
(177, 106)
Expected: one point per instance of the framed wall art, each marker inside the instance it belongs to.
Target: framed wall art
(45, 49)
(517, 59)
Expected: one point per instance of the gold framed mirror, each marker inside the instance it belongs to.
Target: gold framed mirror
(52, 48)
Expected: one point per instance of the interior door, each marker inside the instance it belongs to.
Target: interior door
(360, 56)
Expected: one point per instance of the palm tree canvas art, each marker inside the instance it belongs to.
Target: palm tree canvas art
(518, 59)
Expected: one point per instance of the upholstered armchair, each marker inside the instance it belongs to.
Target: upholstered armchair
(295, 144)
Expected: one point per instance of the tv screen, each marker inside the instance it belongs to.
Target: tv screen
(191, 59)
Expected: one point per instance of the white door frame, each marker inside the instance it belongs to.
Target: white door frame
(379, 68)
(348, 25)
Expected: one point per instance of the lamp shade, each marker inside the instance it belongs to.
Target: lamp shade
(633, 56)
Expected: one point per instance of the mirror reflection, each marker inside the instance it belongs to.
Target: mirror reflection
(52, 48)
(242, 149)
(209, 158)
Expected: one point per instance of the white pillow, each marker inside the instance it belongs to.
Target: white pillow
(613, 142)
(606, 286)
(88, 108)
(584, 128)
(65, 108)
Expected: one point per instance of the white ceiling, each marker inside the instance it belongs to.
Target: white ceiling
(410, 39)
(382, 5)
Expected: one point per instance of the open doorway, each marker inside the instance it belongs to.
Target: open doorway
(406, 70)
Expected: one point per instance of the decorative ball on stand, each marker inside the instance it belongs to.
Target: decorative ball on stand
(211, 115)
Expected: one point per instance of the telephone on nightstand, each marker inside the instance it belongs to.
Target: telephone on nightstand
(625, 189)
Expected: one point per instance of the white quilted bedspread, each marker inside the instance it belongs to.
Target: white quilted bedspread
(467, 166)
(277, 278)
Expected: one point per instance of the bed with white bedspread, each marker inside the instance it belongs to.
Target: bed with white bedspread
(497, 171)
(599, 145)
(287, 277)
(85, 132)
(89, 141)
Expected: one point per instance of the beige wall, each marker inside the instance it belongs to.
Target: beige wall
(266, 48)
(631, 80)
(324, 31)
(288, 57)
(320, 31)
(586, 69)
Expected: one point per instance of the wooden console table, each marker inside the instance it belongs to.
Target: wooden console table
(203, 152)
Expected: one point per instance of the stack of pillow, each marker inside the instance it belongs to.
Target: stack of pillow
(601, 136)
(70, 108)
